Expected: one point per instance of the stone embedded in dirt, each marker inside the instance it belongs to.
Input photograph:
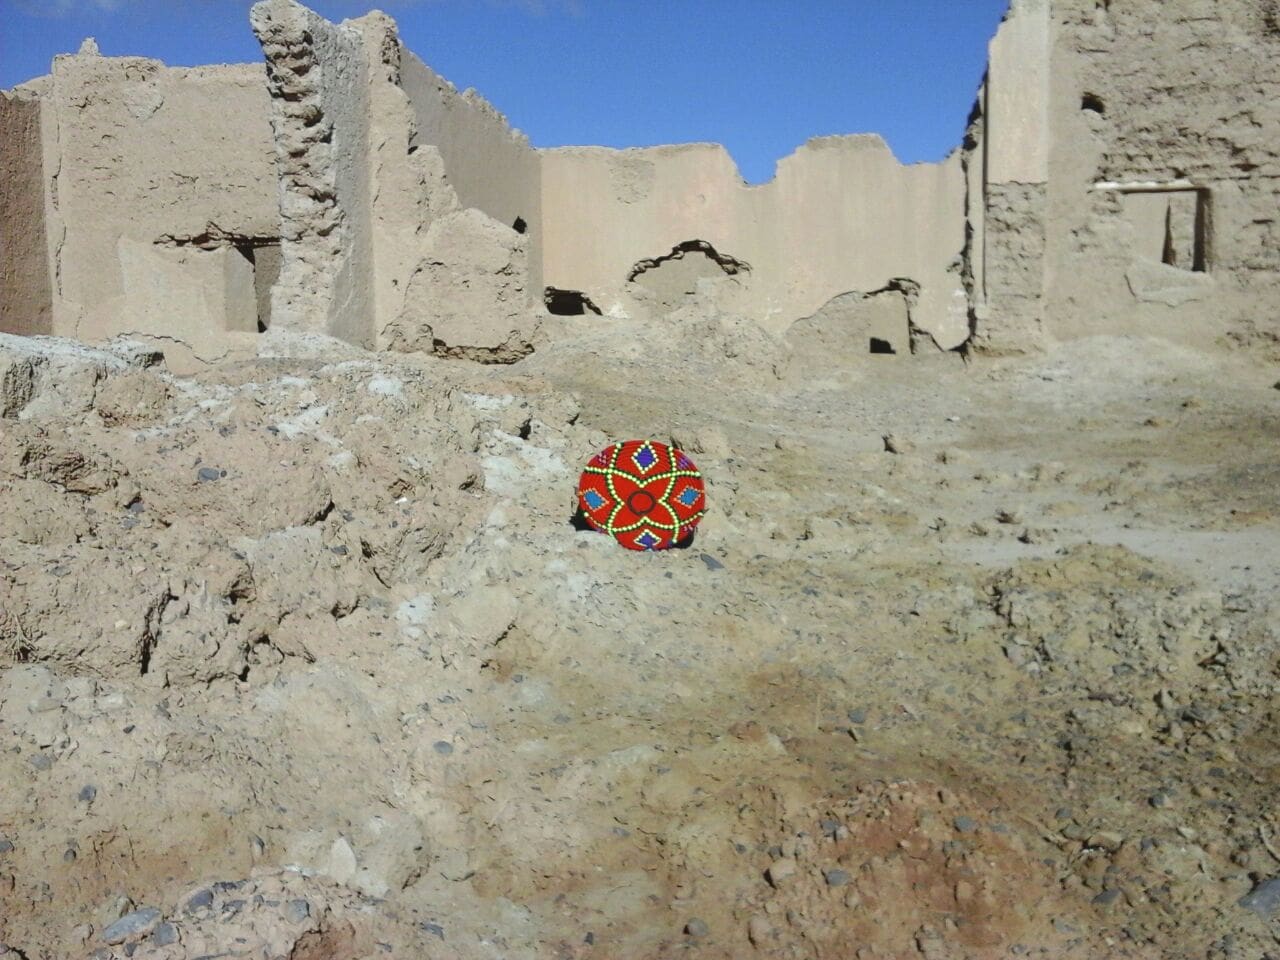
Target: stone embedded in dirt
(780, 871)
(132, 925)
(711, 562)
(697, 928)
(208, 474)
(1264, 899)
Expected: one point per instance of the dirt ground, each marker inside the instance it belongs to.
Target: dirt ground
(306, 658)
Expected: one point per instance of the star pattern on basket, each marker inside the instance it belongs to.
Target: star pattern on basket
(644, 494)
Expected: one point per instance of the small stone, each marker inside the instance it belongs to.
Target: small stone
(296, 911)
(829, 827)
(711, 562)
(697, 928)
(200, 900)
(137, 507)
(965, 824)
(857, 715)
(1106, 840)
(1107, 897)
(780, 871)
(42, 761)
(6, 846)
(88, 793)
(1009, 515)
(837, 877)
(233, 906)
(442, 747)
(1264, 899)
(342, 860)
(132, 925)
(434, 929)
(164, 935)
(208, 474)
(758, 930)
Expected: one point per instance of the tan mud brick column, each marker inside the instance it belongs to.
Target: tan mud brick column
(317, 74)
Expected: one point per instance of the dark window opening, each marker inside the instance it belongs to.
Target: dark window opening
(1093, 103)
(568, 303)
(881, 346)
(519, 226)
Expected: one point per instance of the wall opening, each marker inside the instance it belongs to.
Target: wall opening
(1172, 222)
(519, 226)
(879, 345)
(265, 258)
(1093, 103)
(568, 303)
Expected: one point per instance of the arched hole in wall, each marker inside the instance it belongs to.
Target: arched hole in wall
(670, 279)
(568, 303)
(1093, 103)
(519, 226)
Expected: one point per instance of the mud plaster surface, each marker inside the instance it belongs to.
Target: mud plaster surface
(318, 633)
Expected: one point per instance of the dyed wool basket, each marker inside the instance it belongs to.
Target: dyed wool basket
(642, 493)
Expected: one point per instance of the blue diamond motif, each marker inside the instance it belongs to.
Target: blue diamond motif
(644, 458)
(689, 496)
(594, 500)
(647, 540)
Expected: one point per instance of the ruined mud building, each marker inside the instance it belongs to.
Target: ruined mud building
(1120, 174)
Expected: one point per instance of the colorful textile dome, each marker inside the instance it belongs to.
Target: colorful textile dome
(642, 493)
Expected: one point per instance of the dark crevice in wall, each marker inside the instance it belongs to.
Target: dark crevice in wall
(880, 346)
(1093, 103)
(215, 236)
(730, 265)
(519, 226)
(568, 303)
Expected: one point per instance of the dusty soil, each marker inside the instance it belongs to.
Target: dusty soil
(305, 657)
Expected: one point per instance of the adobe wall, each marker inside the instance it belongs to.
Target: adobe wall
(133, 197)
(26, 293)
(318, 78)
(147, 158)
(1146, 204)
(490, 166)
(841, 215)
(398, 194)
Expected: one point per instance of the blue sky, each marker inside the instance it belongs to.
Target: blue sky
(759, 76)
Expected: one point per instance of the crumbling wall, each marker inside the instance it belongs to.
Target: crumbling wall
(139, 158)
(379, 246)
(1180, 98)
(1130, 161)
(26, 292)
(1007, 172)
(842, 214)
(490, 166)
(318, 77)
